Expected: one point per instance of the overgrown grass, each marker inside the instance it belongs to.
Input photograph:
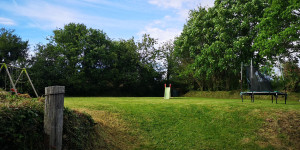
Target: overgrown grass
(192, 123)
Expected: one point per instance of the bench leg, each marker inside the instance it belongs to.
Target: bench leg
(285, 96)
(272, 98)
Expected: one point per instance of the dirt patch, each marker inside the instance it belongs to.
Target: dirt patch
(245, 140)
(290, 125)
(282, 131)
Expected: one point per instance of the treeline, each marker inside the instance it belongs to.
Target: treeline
(215, 41)
(206, 56)
(89, 63)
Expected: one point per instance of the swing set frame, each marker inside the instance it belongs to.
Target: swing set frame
(23, 70)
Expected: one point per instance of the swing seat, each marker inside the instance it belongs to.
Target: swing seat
(13, 90)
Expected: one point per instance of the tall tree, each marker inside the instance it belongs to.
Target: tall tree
(169, 60)
(84, 57)
(190, 43)
(47, 67)
(149, 68)
(12, 47)
(216, 41)
(148, 52)
(126, 63)
(279, 30)
(291, 73)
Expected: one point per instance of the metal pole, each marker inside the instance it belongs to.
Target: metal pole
(18, 78)
(11, 81)
(4, 77)
(242, 77)
(251, 76)
(8, 65)
(30, 82)
(1, 67)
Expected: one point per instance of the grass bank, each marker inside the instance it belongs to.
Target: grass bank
(292, 96)
(192, 123)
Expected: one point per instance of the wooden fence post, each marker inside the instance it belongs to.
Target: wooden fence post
(53, 117)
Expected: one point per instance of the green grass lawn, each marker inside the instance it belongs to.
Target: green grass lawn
(192, 123)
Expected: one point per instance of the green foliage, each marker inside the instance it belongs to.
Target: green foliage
(22, 126)
(87, 62)
(148, 52)
(12, 48)
(188, 45)
(279, 29)
(170, 61)
(289, 78)
(149, 69)
(125, 73)
(206, 56)
(214, 42)
(217, 40)
(292, 76)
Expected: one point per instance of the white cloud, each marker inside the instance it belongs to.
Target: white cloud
(6, 21)
(181, 4)
(177, 4)
(183, 13)
(163, 35)
(169, 27)
(182, 7)
(48, 16)
(103, 3)
(207, 3)
(44, 15)
(163, 29)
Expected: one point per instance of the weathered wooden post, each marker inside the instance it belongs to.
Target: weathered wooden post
(53, 117)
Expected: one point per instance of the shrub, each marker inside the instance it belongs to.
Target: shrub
(22, 126)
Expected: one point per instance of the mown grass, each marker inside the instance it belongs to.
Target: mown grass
(190, 123)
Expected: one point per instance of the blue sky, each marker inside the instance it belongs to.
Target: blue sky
(34, 20)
